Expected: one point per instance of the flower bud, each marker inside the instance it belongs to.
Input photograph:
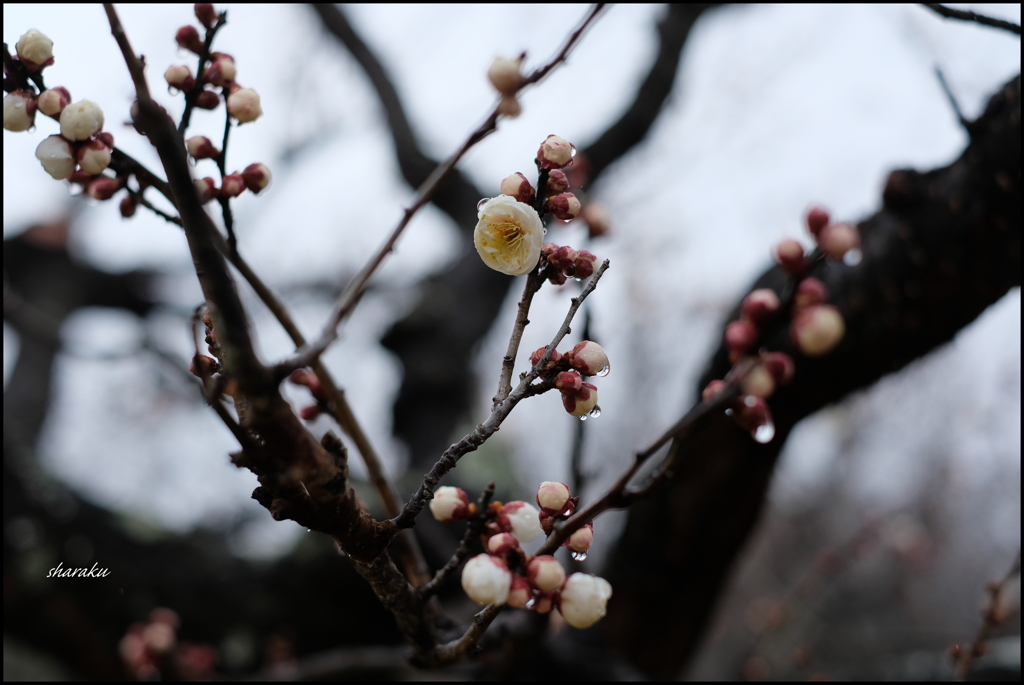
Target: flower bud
(759, 305)
(835, 240)
(509, 107)
(256, 177)
(128, 206)
(538, 354)
(81, 120)
(518, 187)
(53, 101)
(19, 111)
(582, 402)
(817, 329)
(817, 219)
(449, 504)
(502, 543)
(590, 359)
(93, 156)
(34, 50)
(200, 147)
(523, 519)
(203, 366)
(740, 336)
(222, 71)
(545, 602)
(568, 381)
(554, 153)
(207, 189)
(759, 382)
(179, 76)
(232, 185)
(585, 263)
(564, 259)
(486, 579)
(103, 187)
(54, 153)
(504, 74)
(584, 599)
(752, 412)
(564, 206)
(789, 254)
(188, 38)
(545, 573)
(780, 366)
(582, 539)
(810, 291)
(712, 389)
(520, 593)
(244, 105)
(207, 99)
(553, 497)
(205, 13)
(508, 235)
(558, 182)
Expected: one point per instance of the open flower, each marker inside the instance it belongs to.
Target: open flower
(584, 599)
(486, 579)
(56, 156)
(509, 235)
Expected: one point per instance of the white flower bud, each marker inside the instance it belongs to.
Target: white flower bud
(759, 382)
(584, 599)
(449, 504)
(179, 76)
(486, 580)
(53, 101)
(81, 120)
(817, 329)
(582, 539)
(55, 154)
(590, 359)
(501, 543)
(555, 153)
(835, 240)
(524, 519)
(504, 74)
(582, 402)
(244, 105)
(509, 235)
(256, 177)
(520, 594)
(518, 187)
(94, 157)
(553, 497)
(19, 111)
(35, 50)
(545, 573)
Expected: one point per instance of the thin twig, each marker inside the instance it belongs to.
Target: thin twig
(141, 200)
(967, 15)
(462, 647)
(472, 531)
(533, 283)
(225, 202)
(991, 617)
(354, 292)
(193, 95)
(952, 100)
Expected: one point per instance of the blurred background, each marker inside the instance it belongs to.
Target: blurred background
(887, 512)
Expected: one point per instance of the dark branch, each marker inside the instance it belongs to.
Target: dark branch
(967, 15)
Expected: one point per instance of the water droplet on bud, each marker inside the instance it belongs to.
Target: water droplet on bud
(853, 257)
(729, 412)
(603, 372)
(531, 603)
(573, 149)
(595, 412)
(579, 556)
(584, 417)
(764, 433)
(483, 201)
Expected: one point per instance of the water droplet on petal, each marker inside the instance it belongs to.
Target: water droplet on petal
(604, 371)
(579, 556)
(531, 603)
(483, 201)
(32, 128)
(565, 221)
(595, 412)
(764, 433)
(309, 530)
(853, 257)
(584, 417)
(573, 149)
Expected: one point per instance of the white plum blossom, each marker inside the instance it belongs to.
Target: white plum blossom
(55, 154)
(19, 111)
(524, 519)
(81, 120)
(486, 580)
(584, 599)
(509, 235)
(244, 105)
(449, 503)
(34, 49)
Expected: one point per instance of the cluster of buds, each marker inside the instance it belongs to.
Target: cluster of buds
(587, 358)
(151, 650)
(505, 574)
(563, 263)
(307, 378)
(255, 177)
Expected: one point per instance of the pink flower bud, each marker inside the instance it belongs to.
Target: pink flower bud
(568, 381)
(53, 101)
(835, 240)
(203, 366)
(759, 305)
(222, 71)
(817, 329)
(810, 291)
(256, 177)
(555, 153)
(232, 185)
(817, 219)
(759, 382)
(504, 74)
(128, 206)
(502, 543)
(789, 254)
(585, 263)
(34, 50)
(449, 504)
(103, 187)
(179, 76)
(520, 593)
(81, 120)
(310, 413)
(564, 206)
(19, 111)
(780, 366)
(523, 519)
(518, 187)
(93, 156)
(545, 573)
(207, 99)
(207, 189)
(598, 219)
(553, 497)
(244, 105)
(545, 602)
(486, 579)
(558, 182)
(188, 38)
(583, 599)
(740, 336)
(712, 389)
(564, 259)
(205, 13)
(752, 412)
(582, 539)
(582, 402)
(590, 359)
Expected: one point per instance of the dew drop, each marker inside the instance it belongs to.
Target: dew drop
(565, 221)
(32, 128)
(531, 603)
(579, 556)
(584, 417)
(483, 201)
(853, 257)
(309, 530)
(604, 371)
(573, 149)
(728, 412)
(595, 412)
(764, 433)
